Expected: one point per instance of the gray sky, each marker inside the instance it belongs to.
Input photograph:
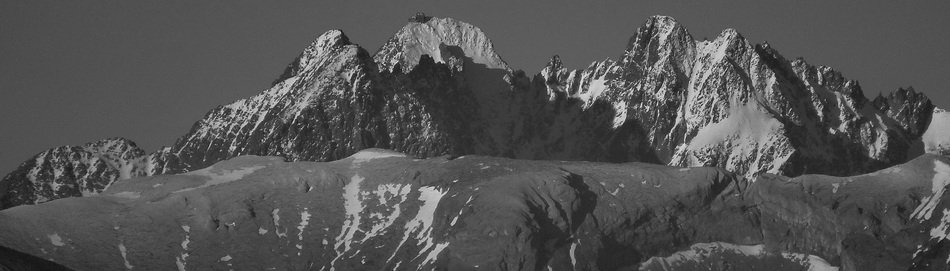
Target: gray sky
(76, 71)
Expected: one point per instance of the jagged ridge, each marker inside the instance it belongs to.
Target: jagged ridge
(437, 87)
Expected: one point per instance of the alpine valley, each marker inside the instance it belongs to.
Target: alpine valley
(432, 153)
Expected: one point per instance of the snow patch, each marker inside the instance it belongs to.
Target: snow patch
(180, 263)
(461, 209)
(216, 177)
(701, 251)
(615, 192)
(182, 260)
(697, 252)
(56, 240)
(434, 254)
(572, 253)
(370, 154)
(385, 194)
(125, 259)
(938, 233)
(430, 197)
(389, 197)
(304, 221)
(353, 207)
(745, 121)
(184, 244)
(594, 90)
(128, 195)
(421, 224)
(814, 263)
(276, 214)
(939, 184)
(748, 140)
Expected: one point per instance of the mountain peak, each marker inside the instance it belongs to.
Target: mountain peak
(555, 62)
(320, 46)
(112, 141)
(729, 44)
(425, 35)
(730, 33)
(330, 39)
(325, 43)
(659, 36)
(420, 17)
(663, 26)
(909, 107)
(662, 21)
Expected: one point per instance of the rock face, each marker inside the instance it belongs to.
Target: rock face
(430, 38)
(383, 210)
(886, 220)
(908, 108)
(290, 118)
(72, 171)
(437, 87)
(741, 106)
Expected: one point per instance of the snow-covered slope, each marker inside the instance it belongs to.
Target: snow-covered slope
(432, 38)
(383, 210)
(937, 136)
(667, 99)
(726, 256)
(379, 210)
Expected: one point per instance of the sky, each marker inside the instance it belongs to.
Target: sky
(77, 71)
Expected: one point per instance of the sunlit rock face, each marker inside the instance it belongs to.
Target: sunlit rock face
(727, 102)
(426, 38)
(437, 87)
(73, 171)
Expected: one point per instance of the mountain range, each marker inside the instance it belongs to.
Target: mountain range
(773, 139)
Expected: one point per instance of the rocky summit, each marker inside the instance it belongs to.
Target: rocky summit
(697, 154)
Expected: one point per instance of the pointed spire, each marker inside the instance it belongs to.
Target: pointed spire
(329, 40)
(555, 62)
(660, 37)
(658, 28)
(911, 109)
(326, 42)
